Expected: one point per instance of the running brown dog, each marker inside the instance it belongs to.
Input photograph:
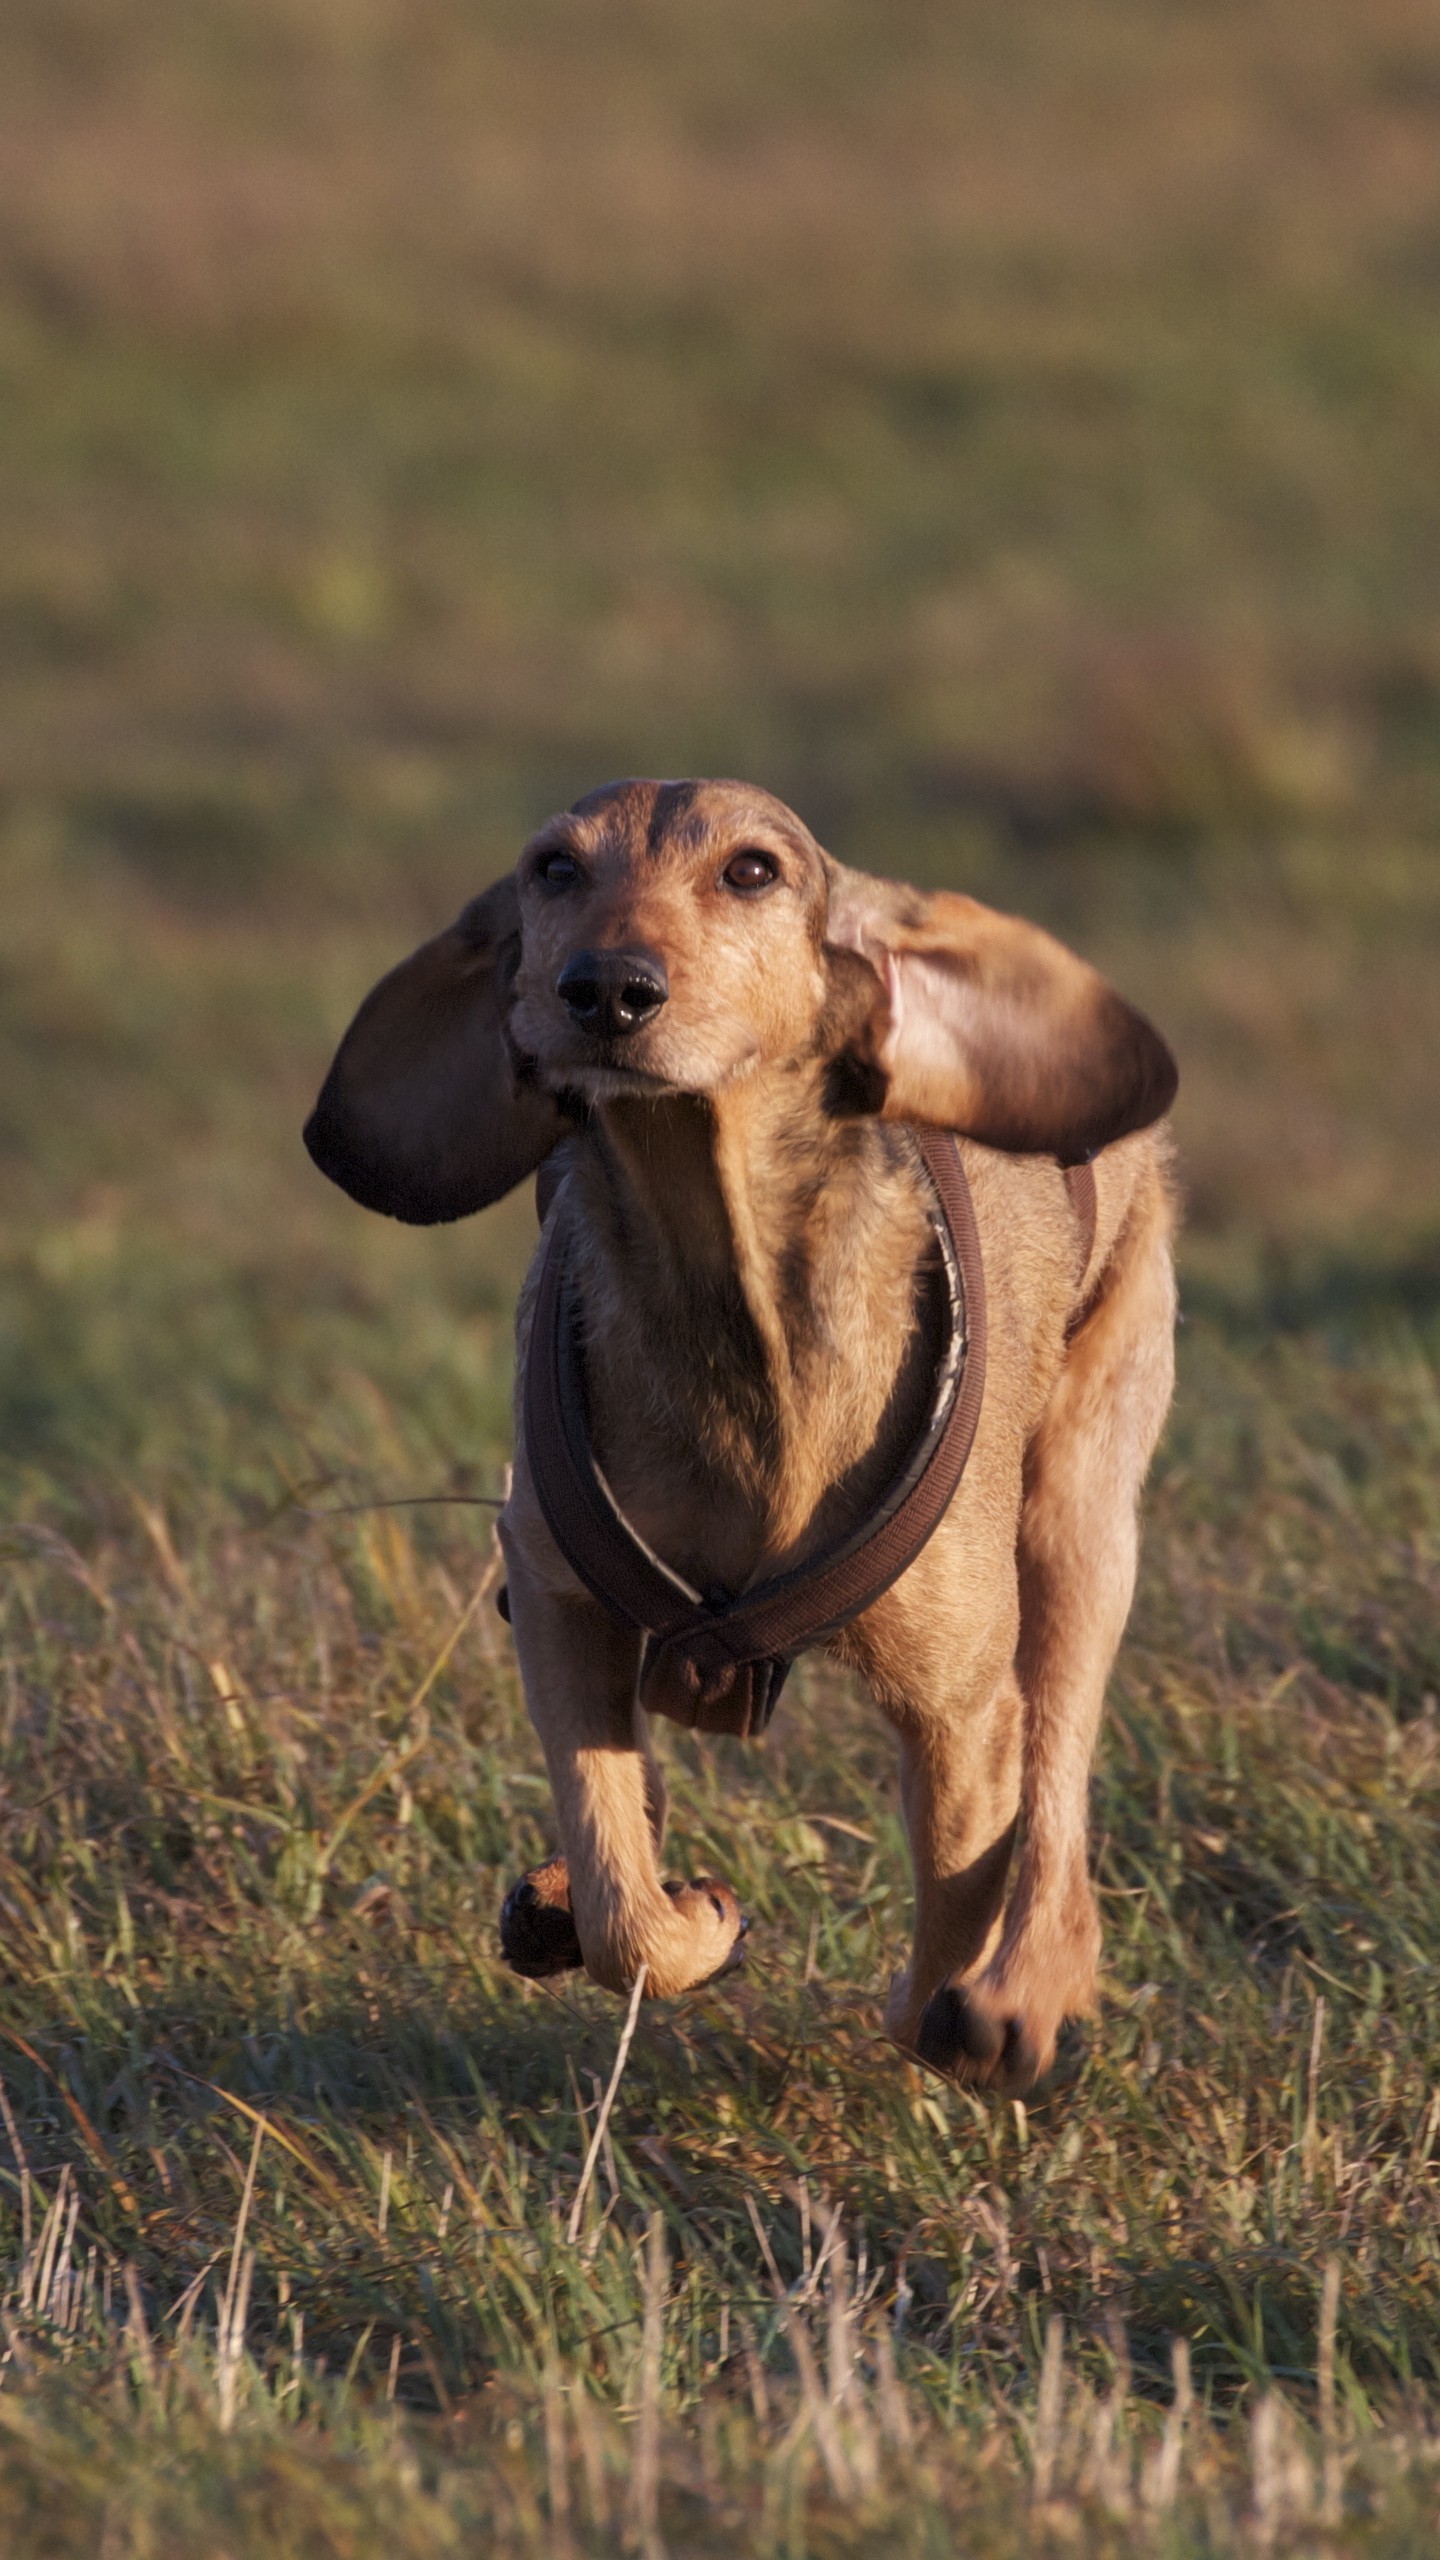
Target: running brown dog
(730, 1032)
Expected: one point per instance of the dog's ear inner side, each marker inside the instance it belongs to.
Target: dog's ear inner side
(982, 1023)
(422, 1115)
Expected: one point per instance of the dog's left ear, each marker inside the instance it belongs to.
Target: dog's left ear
(982, 1023)
(421, 1116)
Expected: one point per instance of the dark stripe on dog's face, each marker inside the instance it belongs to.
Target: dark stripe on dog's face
(673, 801)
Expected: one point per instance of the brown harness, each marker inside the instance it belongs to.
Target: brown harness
(1085, 1201)
(717, 1659)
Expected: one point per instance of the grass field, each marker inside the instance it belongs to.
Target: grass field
(1010, 434)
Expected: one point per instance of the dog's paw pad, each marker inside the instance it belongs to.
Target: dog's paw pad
(537, 1927)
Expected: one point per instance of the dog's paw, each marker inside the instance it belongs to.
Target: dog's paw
(538, 1935)
(537, 1927)
(969, 2038)
(1000, 2030)
(714, 1915)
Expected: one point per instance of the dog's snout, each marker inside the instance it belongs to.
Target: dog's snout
(613, 992)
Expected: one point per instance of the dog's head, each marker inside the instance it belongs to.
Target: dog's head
(665, 937)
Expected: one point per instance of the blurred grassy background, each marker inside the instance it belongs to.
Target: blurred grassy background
(1010, 433)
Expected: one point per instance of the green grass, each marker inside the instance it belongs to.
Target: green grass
(250, 1859)
(1007, 432)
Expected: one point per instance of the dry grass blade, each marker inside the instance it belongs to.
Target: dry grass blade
(137, 2328)
(1048, 2406)
(597, 2138)
(287, 2139)
(1312, 2091)
(234, 2306)
(22, 2165)
(241, 2219)
(1161, 2479)
(815, 2410)
(1325, 2392)
(646, 2481)
(88, 2134)
(557, 2462)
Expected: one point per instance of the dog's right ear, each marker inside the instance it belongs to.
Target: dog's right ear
(421, 1116)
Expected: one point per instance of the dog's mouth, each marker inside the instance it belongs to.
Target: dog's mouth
(568, 1060)
(607, 1074)
(600, 1066)
(601, 1080)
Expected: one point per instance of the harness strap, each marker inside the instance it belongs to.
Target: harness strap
(1084, 1200)
(718, 1659)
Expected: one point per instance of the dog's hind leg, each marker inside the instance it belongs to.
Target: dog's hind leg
(579, 1671)
(1077, 1557)
(938, 1654)
(960, 1789)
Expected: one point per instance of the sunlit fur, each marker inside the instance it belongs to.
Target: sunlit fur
(749, 1223)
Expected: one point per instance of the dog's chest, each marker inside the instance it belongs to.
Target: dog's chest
(722, 1468)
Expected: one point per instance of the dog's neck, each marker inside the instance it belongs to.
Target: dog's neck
(748, 1267)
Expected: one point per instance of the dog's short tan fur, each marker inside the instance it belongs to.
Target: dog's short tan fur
(751, 1221)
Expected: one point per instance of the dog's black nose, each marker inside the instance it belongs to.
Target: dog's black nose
(613, 992)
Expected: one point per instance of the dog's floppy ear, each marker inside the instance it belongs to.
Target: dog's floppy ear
(420, 1115)
(982, 1023)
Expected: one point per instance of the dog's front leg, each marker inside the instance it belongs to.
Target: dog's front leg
(579, 1671)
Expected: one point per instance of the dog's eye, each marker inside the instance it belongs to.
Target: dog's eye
(557, 870)
(750, 871)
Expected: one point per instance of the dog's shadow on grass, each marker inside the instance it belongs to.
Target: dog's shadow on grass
(508, 2055)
